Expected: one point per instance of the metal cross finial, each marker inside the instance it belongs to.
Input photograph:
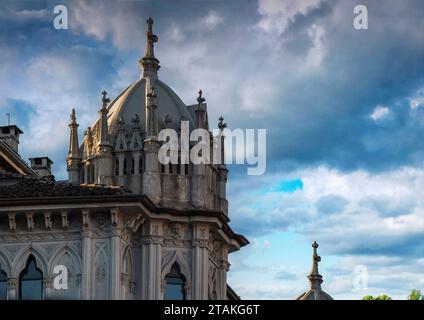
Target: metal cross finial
(151, 38)
(8, 118)
(221, 124)
(316, 258)
(105, 100)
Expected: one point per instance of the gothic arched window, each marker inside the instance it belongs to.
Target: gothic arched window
(140, 164)
(174, 289)
(31, 281)
(132, 165)
(125, 167)
(117, 167)
(3, 285)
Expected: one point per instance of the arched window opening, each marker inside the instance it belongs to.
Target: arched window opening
(3, 285)
(132, 165)
(117, 167)
(31, 282)
(125, 166)
(140, 165)
(174, 289)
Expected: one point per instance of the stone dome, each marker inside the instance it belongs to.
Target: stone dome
(131, 102)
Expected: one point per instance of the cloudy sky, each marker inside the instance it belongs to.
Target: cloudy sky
(343, 110)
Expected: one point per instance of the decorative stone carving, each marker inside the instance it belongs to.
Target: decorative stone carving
(101, 272)
(224, 264)
(85, 218)
(174, 231)
(12, 222)
(152, 240)
(48, 220)
(65, 222)
(200, 243)
(134, 222)
(30, 220)
(212, 291)
(100, 221)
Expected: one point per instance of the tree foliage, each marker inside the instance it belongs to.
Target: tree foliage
(415, 295)
(380, 297)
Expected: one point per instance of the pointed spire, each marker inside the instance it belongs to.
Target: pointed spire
(104, 136)
(314, 277)
(149, 63)
(73, 117)
(151, 123)
(73, 137)
(73, 153)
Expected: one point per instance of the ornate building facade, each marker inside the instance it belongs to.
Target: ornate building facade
(124, 225)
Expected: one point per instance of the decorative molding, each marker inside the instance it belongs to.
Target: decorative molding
(30, 220)
(12, 222)
(48, 220)
(65, 222)
(200, 243)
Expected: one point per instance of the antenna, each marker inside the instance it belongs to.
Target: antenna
(8, 118)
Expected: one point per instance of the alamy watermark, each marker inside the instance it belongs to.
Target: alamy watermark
(60, 281)
(360, 22)
(199, 147)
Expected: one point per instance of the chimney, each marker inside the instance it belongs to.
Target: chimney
(10, 135)
(42, 166)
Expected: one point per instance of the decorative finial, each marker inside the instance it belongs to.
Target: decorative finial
(316, 257)
(121, 122)
(200, 99)
(151, 94)
(105, 100)
(87, 132)
(167, 120)
(151, 38)
(136, 120)
(149, 63)
(221, 124)
(314, 277)
(73, 116)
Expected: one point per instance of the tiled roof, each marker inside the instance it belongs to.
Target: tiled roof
(14, 186)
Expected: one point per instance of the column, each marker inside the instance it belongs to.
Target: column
(152, 261)
(223, 268)
(200, 261)
(12, 289)
(116, 254)
(87, 255)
